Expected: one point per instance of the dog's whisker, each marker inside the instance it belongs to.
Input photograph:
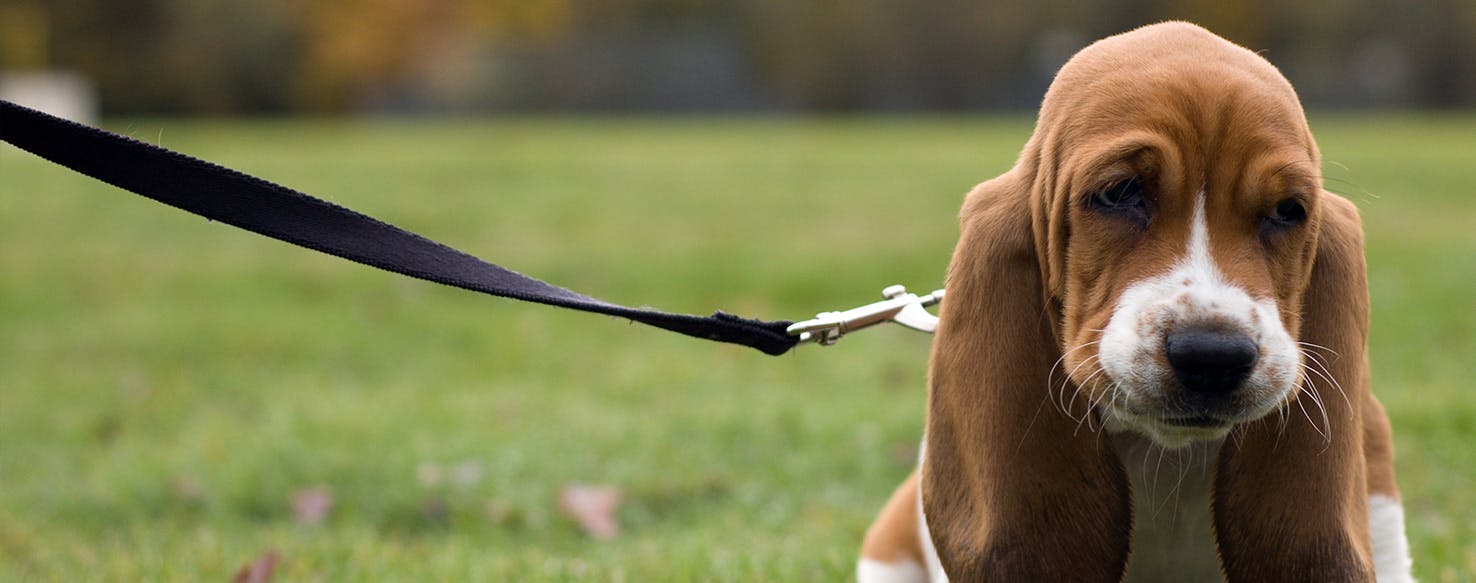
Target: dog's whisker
(1103, 397)
(1066, 408)
(1316, 364)
(1330, 379)
(1112, 414)
(1314, 371)
(1316, 396)
(1319, 347)
(1313, 357)
(1310, 421)
(1321, 375)
(1157, 466)
(1051, 375)
(1085, 385)
(1177, 491)
(1092, 403)
(1204, 467)
(1282, 412)
(1026, 434)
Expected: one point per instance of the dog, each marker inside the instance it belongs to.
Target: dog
(1152, 362)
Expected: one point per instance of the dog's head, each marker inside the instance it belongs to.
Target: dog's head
(1183, 199)
(1155, 261)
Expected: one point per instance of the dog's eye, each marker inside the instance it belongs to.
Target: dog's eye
(1126, 198)
(1288, 212)
(1128, 193)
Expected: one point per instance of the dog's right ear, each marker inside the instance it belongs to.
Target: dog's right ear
(1012, 491)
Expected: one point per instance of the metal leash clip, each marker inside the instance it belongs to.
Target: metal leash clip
(900, 307)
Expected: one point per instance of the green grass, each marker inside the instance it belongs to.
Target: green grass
(166, 383)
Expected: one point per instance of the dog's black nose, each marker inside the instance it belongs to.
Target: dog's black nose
(1210, 362)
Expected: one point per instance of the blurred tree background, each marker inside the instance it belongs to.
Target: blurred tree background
(409, 56)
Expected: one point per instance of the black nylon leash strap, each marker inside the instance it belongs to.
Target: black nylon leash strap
(221, 194)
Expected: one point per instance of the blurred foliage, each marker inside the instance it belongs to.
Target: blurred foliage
(232, 56)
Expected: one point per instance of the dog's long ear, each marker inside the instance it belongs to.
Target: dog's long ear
(1011, 490)
(1292, 505)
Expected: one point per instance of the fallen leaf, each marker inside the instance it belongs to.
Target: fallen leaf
(258, 571)
(430, 475)
(435, 510)
(499, 512)
(311, 506)
(593, 507)
(187, 489)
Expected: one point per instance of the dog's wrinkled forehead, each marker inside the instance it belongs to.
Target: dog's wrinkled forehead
(1201, 110)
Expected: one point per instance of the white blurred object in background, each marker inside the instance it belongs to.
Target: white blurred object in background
(59, 93)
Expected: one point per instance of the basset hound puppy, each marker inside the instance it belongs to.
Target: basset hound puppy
(1152, 362)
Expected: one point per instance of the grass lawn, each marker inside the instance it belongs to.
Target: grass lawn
(168, 384)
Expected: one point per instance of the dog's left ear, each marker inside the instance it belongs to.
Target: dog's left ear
(1291, 505)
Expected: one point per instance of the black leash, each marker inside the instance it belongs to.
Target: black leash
(221, 194)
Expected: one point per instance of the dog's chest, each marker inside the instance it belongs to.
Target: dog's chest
(1173, 536)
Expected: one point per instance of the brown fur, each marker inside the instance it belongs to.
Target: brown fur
(1378, 448)
(893, 537)
(1013, 491)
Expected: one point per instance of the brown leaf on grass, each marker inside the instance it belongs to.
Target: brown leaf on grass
(435, 510)
(187, 489)
(258, 571)
(430, 475)
(312, 505)
(593, 507)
